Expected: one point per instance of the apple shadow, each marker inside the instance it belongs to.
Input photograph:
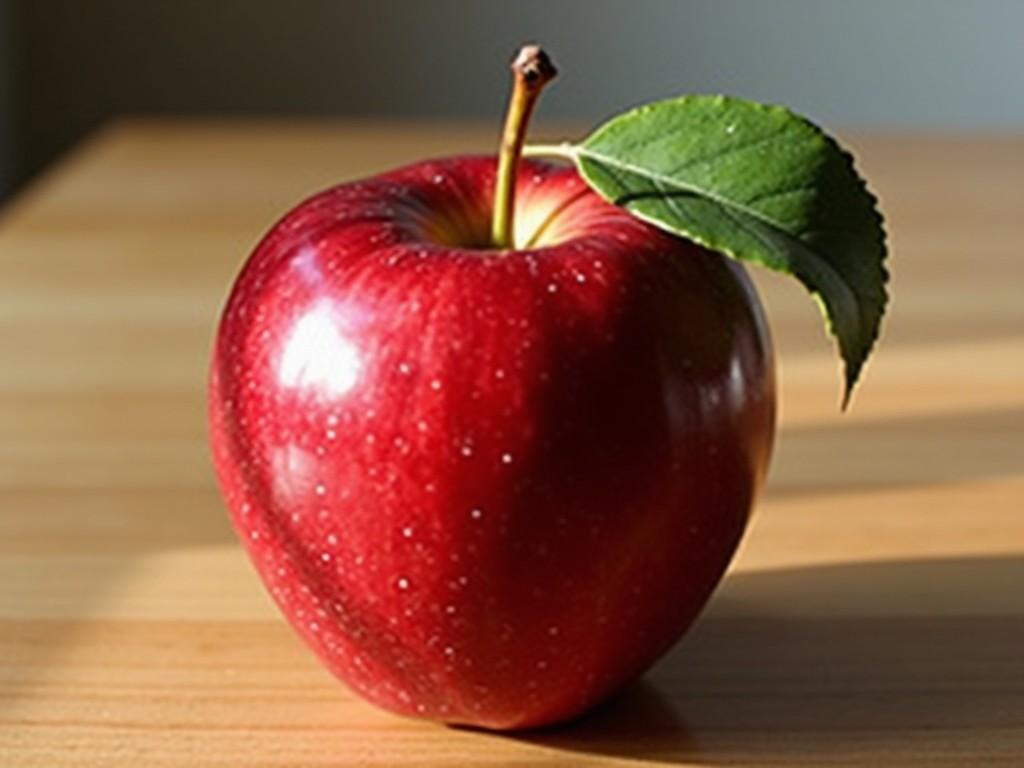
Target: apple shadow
(904, 661)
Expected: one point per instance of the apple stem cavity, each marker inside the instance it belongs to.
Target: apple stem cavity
(532, 69)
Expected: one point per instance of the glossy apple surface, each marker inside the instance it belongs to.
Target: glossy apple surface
(488, 487)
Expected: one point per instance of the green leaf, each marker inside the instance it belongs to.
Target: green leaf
(757, 183)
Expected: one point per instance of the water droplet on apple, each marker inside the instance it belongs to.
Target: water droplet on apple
(476, 513)
(402, 583)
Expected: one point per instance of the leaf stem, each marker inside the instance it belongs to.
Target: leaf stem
(531, 71)
(565, 150)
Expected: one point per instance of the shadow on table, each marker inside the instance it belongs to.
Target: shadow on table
(911, 659)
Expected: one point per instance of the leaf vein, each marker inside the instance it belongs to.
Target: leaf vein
(655, 176)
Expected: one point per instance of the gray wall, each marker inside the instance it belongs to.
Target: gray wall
(940, 64)
(7, 100)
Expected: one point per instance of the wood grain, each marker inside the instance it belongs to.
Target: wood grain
(875, 615)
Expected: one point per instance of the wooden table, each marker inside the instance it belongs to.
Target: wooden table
(875, 615)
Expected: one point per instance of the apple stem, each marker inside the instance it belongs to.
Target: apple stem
(531, 71)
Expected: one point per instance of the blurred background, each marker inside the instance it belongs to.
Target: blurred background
(66, 67)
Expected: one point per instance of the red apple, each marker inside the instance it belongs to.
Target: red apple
(488, 486)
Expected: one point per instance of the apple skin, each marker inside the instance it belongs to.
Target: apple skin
(487, 487)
